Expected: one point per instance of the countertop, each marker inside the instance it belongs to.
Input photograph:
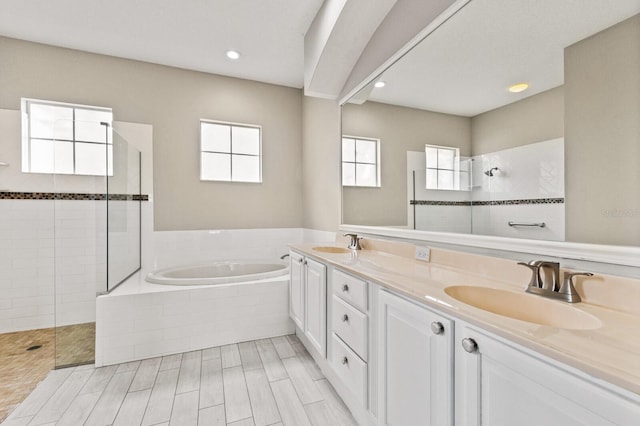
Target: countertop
(610, 353)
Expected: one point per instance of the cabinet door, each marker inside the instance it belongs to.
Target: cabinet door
(415, 365)
(502, 385)
(316, 305)
(296, 288)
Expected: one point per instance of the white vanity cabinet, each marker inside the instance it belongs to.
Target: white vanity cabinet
(350, 333)
(498, 383)
(415, 364)
(308, 299)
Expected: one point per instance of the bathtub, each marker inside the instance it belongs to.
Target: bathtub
(216, 273)
(199, 309)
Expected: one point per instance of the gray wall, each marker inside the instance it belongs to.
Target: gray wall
(321, 164)
(173, 101)
(399, 129)
(533, 119)
(602, 136)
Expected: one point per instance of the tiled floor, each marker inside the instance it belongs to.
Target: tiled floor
(21, 370)
(75, 344)
(264, 382)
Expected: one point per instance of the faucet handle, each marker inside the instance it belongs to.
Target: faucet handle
(354, 244)
(568, 289)
(534, 265)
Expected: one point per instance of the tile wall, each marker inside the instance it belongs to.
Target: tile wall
(528, 187)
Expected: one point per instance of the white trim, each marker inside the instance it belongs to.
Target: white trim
(439, 20)
(616, 255)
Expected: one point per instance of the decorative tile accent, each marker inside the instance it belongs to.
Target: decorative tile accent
(6, 195)
(488, 203)
(519, 202)
(438, 203)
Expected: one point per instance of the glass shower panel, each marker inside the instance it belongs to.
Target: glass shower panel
(80, 245)
(123, 211)
(97, 232)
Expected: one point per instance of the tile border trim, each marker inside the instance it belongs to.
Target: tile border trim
(71, 196)
(488, 203)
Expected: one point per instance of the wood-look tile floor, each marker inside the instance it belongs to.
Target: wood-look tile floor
(21, 370)
(264, 382)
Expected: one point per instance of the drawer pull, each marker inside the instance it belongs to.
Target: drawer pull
(469, 345)
(437, 327)
(345, 361)
(345, 288)
(300, 260)
(345, 318)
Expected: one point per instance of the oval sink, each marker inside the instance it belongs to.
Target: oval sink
(329, 249)
(525, 307)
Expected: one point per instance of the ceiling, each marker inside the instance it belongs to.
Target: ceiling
(190, 34)
(466, 65)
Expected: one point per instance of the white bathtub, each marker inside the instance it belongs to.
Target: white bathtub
(216, 273)
(140, 320)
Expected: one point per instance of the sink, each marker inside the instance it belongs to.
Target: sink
(329, 249)
(525, 307)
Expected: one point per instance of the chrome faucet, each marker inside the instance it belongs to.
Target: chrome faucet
(552, 288)
(354, 243)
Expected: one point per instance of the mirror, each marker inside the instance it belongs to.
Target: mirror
(559, 161)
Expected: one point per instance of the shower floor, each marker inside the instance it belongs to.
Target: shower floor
(21, 370)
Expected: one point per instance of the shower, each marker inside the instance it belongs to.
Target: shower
(490, 172)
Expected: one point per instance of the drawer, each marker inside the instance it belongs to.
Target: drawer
(349, 288)
(350, 369)
(351, 326)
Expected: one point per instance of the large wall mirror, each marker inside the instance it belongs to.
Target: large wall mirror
(447, 140)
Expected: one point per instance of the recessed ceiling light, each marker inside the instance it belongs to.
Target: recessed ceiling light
(233, 54)
(517, 88)
(380, 84)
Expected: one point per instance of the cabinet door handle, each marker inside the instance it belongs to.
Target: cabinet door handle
(437, 327)
(305, 262)
(300, 260)
(469, 345)
(345, 318)
(345, 288)
(345, 361)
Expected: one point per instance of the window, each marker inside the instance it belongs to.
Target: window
(66, 138)
(360, 161)
(443, 165)
(230, 152)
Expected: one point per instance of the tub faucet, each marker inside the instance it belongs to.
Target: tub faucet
(354, 243)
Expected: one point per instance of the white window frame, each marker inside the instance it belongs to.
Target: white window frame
(377, 163)
(455, 170)
(26, 135)
(231, 153)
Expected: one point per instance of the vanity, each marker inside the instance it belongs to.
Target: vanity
(439, 152)
(394, 338)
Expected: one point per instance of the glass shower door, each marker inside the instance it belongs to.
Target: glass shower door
(97, 227)
(79, 155)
